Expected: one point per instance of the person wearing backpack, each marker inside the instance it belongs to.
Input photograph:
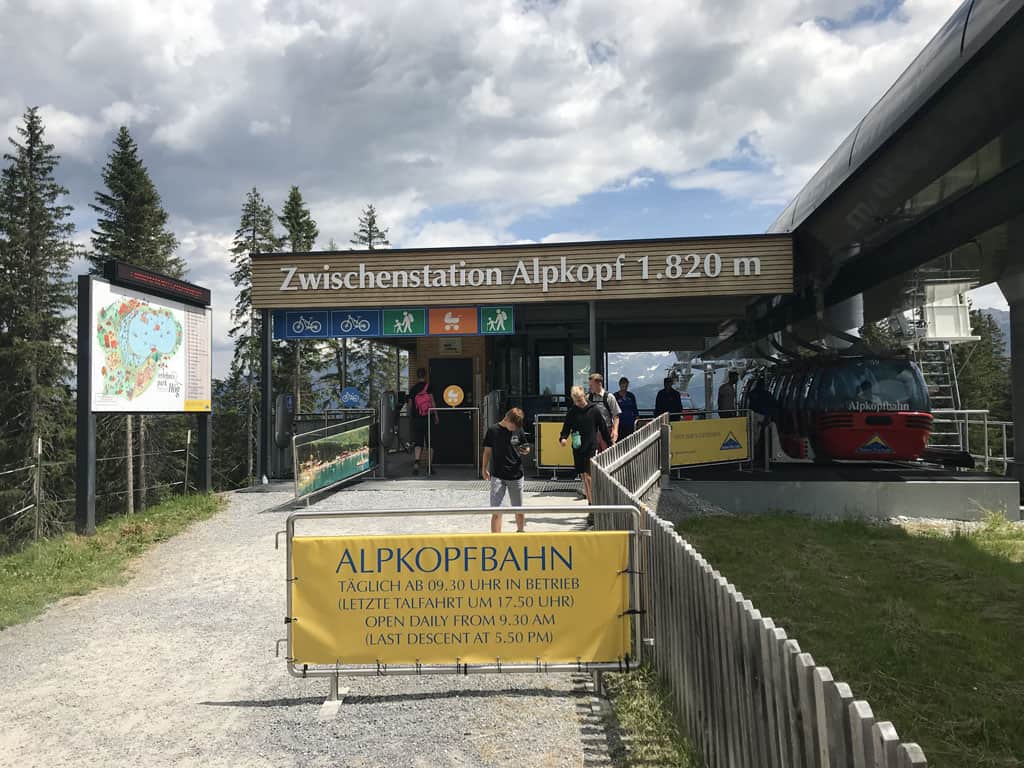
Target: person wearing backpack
(421, 400)
(607, 406)
(582, 429)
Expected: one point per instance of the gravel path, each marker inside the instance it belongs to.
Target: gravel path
(177, 667)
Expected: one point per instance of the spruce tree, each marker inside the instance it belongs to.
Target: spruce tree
(369, 234)
(255, 234)
(37, 300)
(131, 226)
(300, 358)
(131, 222)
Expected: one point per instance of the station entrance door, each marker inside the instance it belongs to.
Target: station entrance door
(452, 437)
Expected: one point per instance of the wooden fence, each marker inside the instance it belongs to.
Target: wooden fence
(744, 691)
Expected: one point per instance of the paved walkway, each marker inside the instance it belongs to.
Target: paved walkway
(177, 667)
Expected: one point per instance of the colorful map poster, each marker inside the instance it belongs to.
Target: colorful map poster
(148, 354)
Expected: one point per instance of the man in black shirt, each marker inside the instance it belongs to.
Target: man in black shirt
(668, 400)
(504, 448)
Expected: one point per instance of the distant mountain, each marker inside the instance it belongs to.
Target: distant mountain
(1002, 319)
(645, 371)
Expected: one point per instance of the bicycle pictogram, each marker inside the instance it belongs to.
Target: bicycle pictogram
(351, 323)
(306, 325)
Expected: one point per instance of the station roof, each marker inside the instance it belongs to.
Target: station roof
(935, 169)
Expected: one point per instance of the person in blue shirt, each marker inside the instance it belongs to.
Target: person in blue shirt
(628, 408)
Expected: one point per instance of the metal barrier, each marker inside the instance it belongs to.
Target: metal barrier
(962, 420)
(637, 606)
(338, 453)
(543, 455)
(476, 434)
(741, 688)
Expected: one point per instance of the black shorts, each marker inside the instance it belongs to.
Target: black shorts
(419, 431)
(581, 458)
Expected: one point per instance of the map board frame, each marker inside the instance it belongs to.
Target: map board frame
(170, 295)
(100, 295)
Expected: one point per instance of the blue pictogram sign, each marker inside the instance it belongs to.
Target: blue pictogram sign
(352, 398)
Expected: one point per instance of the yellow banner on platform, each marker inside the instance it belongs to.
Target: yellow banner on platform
(709, 441)
(550, 452)
(475, 598)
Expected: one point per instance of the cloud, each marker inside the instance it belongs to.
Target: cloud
(501, 108)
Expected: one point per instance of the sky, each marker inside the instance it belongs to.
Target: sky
(494, 121)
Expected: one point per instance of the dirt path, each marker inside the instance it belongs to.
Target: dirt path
(177, 667)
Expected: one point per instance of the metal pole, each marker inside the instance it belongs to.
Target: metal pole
(85, 437)
(205, 452)
(666, 455)
(595, 360)
(37, 487)
(266, 392)
(985, 427)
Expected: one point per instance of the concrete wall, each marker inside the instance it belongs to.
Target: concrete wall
(948, 500)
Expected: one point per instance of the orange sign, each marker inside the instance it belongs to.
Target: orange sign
(454, 395)
(453, 321)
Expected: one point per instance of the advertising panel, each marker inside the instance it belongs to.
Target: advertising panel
(324, 461)
(149, 354)
(709, 441)
(474, 598)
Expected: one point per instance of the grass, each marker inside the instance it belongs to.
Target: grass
(927, 627)
(51, 569)
(648, 730)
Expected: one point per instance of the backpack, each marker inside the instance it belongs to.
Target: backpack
(602, 406)
(423, 401)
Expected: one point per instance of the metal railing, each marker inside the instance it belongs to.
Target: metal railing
(994, 440)
(743, 690)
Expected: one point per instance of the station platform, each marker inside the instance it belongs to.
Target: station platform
(855, 491)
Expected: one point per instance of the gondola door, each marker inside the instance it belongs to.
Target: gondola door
(452, 436)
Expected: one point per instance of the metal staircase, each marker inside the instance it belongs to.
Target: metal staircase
(939, 368)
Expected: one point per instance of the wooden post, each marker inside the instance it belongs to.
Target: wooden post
(188, 444)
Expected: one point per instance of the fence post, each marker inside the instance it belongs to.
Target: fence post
(37, 487)
(188, 446)
(666, 455)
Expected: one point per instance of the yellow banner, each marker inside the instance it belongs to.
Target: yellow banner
(474, 598)
(550, 452)
(197, 405)
(709, 441)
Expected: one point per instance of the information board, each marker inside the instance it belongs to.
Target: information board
(709, 441)
(475, 598)
(149, 354)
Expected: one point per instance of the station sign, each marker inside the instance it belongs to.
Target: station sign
(467, 598)
(400, 322)
(628, 269)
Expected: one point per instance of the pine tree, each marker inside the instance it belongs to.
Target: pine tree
(370, 235)
(300, 358)
(131, 226)
(35, 341)
(132, 223)
(255, 234)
